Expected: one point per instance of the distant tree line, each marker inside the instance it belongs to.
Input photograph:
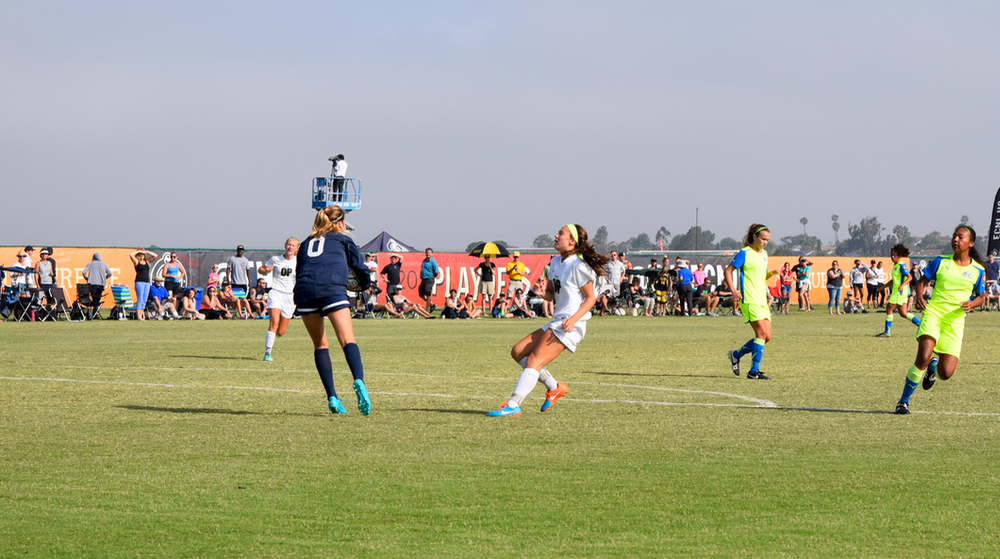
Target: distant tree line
(868, 237)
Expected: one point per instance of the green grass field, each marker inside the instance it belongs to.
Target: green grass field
(176, 440)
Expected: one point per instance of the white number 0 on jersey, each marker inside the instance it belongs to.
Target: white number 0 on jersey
(315, 247)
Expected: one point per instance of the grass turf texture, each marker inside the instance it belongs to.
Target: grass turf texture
(121, 466)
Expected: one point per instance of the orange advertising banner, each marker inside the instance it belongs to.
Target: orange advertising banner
(818, 293)
(70, 263)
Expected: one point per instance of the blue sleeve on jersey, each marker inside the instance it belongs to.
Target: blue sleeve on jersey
(741, 258)
(355, 262)
(980, 284)
(930, 272)
(903, 270)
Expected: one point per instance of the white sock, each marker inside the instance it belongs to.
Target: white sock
(546, 378)
(524, 385)
(523, 362)
(269, 341)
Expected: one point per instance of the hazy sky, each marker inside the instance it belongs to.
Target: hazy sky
(202, 124)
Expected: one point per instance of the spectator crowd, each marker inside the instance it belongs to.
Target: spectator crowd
(663, 288)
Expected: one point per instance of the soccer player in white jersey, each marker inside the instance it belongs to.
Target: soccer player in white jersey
(280, 303)
(571, 286)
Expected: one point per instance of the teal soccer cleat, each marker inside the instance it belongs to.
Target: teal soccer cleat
(364, 403)
(336, 407)
(267, 356)
(505, 411)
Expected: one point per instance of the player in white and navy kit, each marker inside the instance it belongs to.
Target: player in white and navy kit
(324, 263)
(571, 286)
(280, 301)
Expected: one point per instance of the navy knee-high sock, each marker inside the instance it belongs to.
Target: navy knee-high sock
(325, 368)
(353, 356)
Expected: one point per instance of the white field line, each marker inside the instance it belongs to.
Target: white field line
(760, 403)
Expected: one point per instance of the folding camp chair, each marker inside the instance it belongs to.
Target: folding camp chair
(30, 305)
(778, 299)
(125, 307)
(241, 295)
(13, 302)
(85, 305)
(366, 305)
(60, 307)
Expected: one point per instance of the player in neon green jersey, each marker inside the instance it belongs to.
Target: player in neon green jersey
(957, 279)
(899, 289)
(751, 262)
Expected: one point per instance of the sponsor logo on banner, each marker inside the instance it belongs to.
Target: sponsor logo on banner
(394, 246)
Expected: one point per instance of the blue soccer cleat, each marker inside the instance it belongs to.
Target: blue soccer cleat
(505, 411)
(364, 403)
(267, 356)
(336, 407)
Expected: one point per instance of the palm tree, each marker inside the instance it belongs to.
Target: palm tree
(803, 221)
(836, 227)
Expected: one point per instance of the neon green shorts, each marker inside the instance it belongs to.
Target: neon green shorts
(897, 298)
(947, 332)
(754, 312)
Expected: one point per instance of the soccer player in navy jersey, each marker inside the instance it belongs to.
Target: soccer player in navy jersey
(325, 261)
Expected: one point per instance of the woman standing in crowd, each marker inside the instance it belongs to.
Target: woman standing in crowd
(211, 307)
(46, 268)
(880, 285)
(281, 298)
(324, 263)
(174, 275)
(488, 278)
(956, 278)
(140, 260)
(571, 286)
(834, 283)
(214, 280)
(18, 278)
(786, 279)
(751, 261)
(899, 289)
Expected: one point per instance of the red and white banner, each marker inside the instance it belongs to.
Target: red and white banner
(458, 271)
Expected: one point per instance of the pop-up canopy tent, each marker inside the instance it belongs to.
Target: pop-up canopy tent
(385, 242)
